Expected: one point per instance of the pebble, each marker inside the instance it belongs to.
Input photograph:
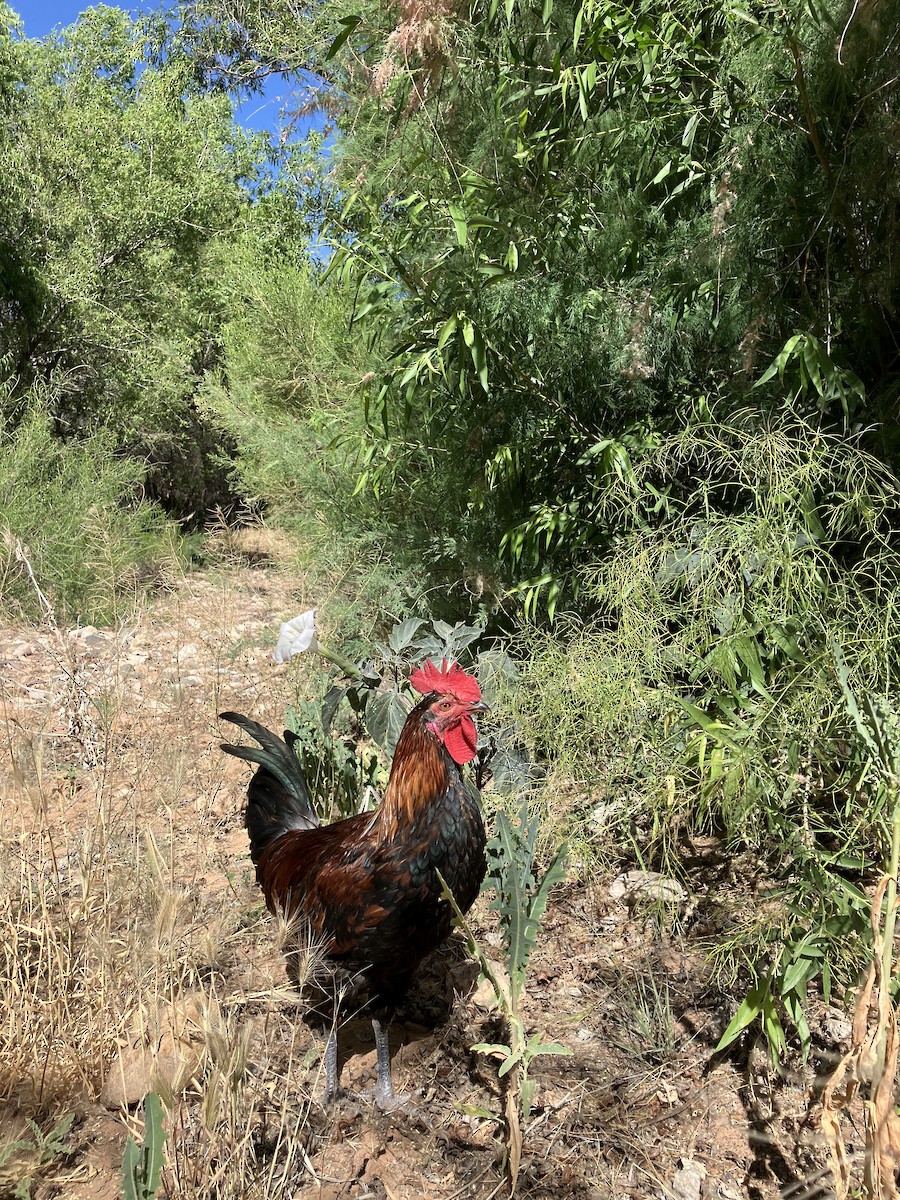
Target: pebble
(19, 650)
(688, 1181)
(837, 1025)
(650, 885)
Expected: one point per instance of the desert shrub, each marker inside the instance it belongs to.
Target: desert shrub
(719, 623)
(74, 511)
(705, 696)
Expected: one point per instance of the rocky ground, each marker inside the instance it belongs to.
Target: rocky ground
(139, 956)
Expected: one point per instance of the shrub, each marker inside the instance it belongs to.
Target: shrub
(74, 510)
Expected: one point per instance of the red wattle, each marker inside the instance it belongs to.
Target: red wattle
(462, 741)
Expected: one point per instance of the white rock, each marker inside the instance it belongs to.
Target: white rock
(837, 1025)
(603, 813)
(688, 1181)
(484, 995)
(163, 1050)
(20, 650)
(650, 885)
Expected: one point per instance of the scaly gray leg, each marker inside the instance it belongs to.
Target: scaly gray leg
(384, 1087)
(332, 1090)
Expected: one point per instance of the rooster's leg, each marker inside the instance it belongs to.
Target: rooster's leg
(331, 1066)
(384, 1086)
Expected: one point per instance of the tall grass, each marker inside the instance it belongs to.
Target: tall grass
(118, 949)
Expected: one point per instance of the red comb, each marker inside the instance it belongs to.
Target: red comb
(448, 680)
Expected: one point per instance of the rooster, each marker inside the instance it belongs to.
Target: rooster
(368, 888)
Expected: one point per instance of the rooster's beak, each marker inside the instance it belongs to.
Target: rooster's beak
(479, 709)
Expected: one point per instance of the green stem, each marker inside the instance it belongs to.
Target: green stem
(350, 669)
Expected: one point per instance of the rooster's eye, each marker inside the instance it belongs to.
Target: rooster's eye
(445, 706)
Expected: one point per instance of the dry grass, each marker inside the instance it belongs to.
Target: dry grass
(135, 949)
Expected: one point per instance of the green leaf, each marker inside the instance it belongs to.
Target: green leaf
(476, 1110)
(403, 633)
(576, 33)
(748, 1011)
(748, 652)
(862, 726)
(447, 330)
(386, 714)
(492, 272)
(512, 1060)
(494, 1049)
(482, 222)
(479, 358)
(687, 138)
(459, 220)
(797, 974)
(537, 1046)
(330, 703)
(555, 873)
(349, 24)
(793, 1004)
(519, 900)
(141, 1167)
(773, 1029)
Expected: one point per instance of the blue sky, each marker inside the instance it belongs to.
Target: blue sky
(39, 17)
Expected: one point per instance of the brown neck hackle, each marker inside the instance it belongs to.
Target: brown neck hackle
(419, 775)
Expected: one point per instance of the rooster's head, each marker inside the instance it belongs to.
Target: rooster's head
(453, 698)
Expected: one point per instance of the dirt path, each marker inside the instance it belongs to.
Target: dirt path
(139, 955)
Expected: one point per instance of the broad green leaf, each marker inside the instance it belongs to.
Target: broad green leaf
(459, 220)
(141, 1166)
(403, 633)
(553, 1048)
(749, 1009)
(494, 1049)
(512, 1060)
(386, 714)
(797, 974)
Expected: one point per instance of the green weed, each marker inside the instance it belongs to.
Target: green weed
(142, 1166)
(38, 1150)
(520, 901)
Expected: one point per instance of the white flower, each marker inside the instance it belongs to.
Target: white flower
(296, 636)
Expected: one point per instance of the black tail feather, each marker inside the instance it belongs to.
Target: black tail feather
(277, 798)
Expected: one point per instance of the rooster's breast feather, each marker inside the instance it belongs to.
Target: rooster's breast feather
(373, 900)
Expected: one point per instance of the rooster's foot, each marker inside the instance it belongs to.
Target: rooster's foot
(391, 1101)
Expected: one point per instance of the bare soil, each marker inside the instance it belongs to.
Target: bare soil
(113, 777)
